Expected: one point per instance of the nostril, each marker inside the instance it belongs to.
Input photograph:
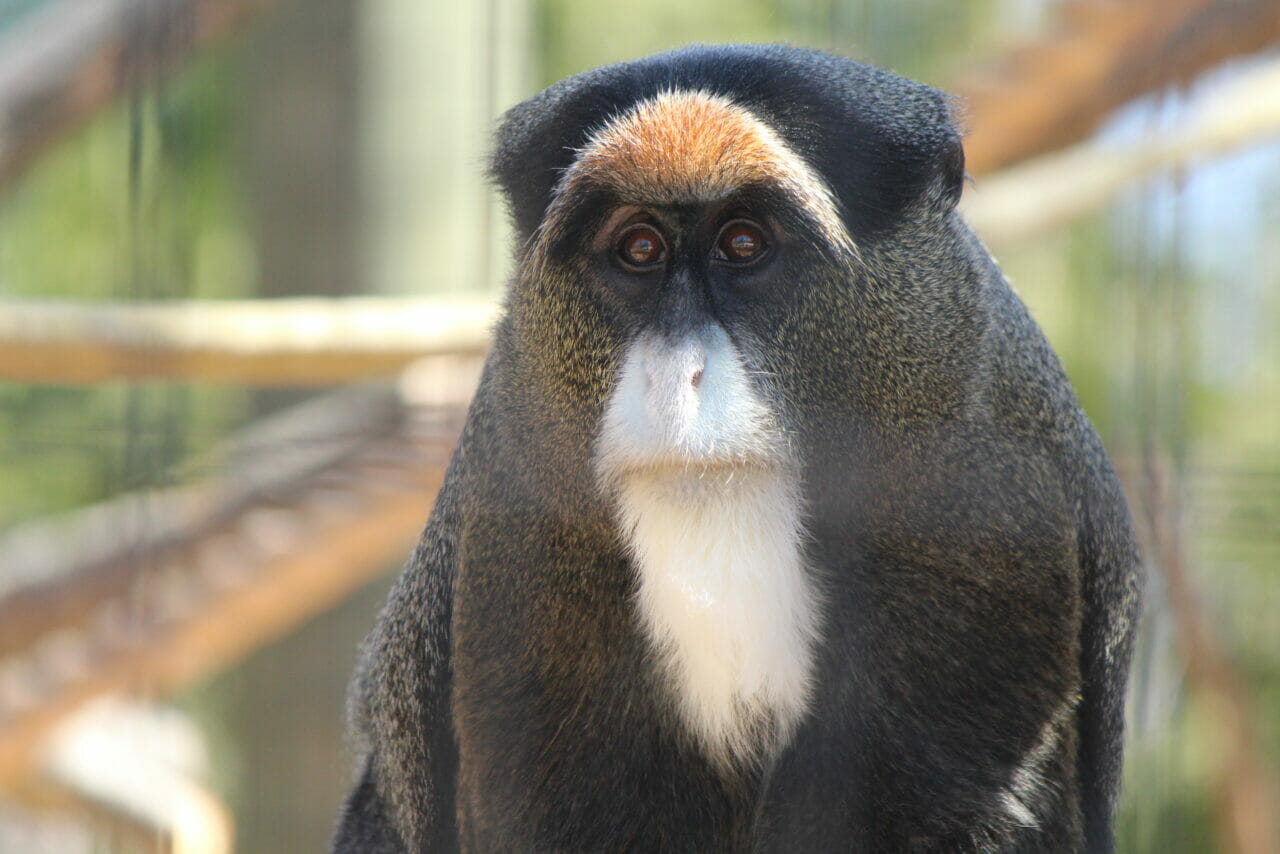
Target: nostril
(696, 379)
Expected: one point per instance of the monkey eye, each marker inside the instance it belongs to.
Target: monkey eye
(740, 242)
(641, 247)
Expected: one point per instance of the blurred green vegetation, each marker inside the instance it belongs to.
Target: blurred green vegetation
(145, 202)
(1165, 309)
(924, 39)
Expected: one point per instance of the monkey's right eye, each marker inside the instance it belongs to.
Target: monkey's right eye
(641, 247)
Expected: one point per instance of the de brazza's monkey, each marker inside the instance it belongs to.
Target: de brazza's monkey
(775, 525)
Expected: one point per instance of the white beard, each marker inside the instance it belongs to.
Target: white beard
(708, 503)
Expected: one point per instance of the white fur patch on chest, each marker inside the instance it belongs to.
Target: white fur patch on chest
(714, 525)
(726, 601)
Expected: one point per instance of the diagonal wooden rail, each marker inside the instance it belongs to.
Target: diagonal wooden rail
(283, 342)
(1058, 89)
(313, 505)
(1045, 193)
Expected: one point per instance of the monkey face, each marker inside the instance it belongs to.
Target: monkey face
(712, 276)
(685, 223)
(688, 395)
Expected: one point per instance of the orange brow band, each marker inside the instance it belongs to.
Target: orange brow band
(684, 146)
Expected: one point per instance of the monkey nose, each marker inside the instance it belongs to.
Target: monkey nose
(657, 379)
(676, 370)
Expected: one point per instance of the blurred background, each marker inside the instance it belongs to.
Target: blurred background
(248, 260)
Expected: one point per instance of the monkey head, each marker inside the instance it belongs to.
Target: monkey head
(724, 254)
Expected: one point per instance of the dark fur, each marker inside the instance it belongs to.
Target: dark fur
(972, 544)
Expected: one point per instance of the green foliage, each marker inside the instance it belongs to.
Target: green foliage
(142, 203)
(576, 36)
(920, 38)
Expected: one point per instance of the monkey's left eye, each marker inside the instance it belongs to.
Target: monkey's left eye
(640, 247)
(740, 242)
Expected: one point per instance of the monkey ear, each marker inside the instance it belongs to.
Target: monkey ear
(941, 158)
(524, 169)
(942, 176)
(537, 141)
(887, 145)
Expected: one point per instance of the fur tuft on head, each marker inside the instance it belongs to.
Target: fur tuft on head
(683, 147)
(888, 147)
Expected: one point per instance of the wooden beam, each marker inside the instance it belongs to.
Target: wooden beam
(248, 342)
(188, 606)
(1059, 90)
(132, 760)
(59, 570)
(1049, 191)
